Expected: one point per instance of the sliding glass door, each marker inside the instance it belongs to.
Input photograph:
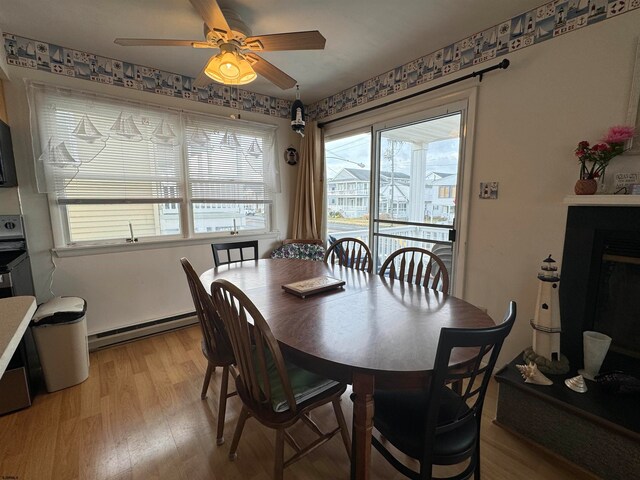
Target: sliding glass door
(398, 184)
(416, 185)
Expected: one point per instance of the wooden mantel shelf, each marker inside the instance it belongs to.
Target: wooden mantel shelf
(603, 200)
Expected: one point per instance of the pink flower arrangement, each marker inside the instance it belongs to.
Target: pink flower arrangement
(619, 134)
(600, 154)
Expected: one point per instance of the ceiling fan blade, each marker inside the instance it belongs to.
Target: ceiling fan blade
(311, 40)
(212, 15)
(158, 42)
(271, 72)
(202, 80)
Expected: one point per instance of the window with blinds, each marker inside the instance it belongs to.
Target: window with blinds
(228, 164)
(117, 169)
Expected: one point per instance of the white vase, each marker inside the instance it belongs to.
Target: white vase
(595, 345)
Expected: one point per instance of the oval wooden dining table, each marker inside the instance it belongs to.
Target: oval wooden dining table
(373, 332)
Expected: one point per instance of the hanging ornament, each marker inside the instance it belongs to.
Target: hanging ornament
(254, 149)
(297, 114)
(87, 131)
(200, 137)
(163, 134)
(291, 155)
(58, 155)
(125, 129)
(229, 141)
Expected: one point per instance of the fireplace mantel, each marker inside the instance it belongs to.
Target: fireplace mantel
(603, 200)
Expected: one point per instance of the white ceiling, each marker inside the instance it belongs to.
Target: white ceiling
(364, 37)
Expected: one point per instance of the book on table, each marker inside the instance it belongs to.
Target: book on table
(314, 285)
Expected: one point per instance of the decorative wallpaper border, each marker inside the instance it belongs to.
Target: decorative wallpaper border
(29, 53)
(543, 23)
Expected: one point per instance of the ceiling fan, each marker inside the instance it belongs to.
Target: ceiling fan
(236, 64)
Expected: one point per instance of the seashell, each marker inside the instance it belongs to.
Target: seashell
(531, 374)
(577, 384)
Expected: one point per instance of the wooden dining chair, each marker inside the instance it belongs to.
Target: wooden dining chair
(232, 252)
(274, 391)
(438, 426)
(350, 252)
(418, 266)
(215, 345)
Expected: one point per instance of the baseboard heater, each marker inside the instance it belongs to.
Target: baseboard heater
(134, 332)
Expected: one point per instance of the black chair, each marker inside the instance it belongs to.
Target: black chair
(438, 426)
(225, 253)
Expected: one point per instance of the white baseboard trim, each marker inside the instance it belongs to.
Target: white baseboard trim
(135, 332)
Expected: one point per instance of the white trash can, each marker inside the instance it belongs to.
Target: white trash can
(60, 333)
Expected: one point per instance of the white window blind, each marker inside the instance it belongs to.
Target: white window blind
(102, 150)
(113, 165)
(229, 161)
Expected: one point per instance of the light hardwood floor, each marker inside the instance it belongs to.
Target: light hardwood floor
(140, 416)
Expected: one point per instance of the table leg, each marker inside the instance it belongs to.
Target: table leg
(363, 385)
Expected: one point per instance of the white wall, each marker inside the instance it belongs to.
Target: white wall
(529, 119)
(134, 286)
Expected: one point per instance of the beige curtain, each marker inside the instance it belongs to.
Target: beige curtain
(309, 199)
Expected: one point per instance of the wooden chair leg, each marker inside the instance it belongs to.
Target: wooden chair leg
(244, 414)
(279, 460)
(343, 426)
(207, 379)
(222, 404)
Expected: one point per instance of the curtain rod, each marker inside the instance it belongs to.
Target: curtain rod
(502, 65)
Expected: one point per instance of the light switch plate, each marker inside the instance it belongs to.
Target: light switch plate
(489, 190)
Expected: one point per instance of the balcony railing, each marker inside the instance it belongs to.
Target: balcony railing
(388, 245)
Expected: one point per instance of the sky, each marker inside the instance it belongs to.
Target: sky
(353, 152)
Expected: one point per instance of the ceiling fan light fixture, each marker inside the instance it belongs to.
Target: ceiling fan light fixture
(247, 74)
(225, 30)
(230, 67)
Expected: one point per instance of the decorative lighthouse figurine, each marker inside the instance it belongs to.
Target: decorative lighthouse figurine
(546, 324)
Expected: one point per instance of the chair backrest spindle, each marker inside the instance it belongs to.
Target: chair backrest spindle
(417, 266)
(350, 252)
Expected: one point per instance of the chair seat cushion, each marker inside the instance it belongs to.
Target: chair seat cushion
(400, 416)
(304, 384)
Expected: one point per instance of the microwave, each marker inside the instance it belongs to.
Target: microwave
(7, 162)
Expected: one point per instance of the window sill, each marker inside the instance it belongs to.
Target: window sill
(82, 250)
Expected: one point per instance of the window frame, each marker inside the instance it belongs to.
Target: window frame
(411, 110)
(61, 230)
